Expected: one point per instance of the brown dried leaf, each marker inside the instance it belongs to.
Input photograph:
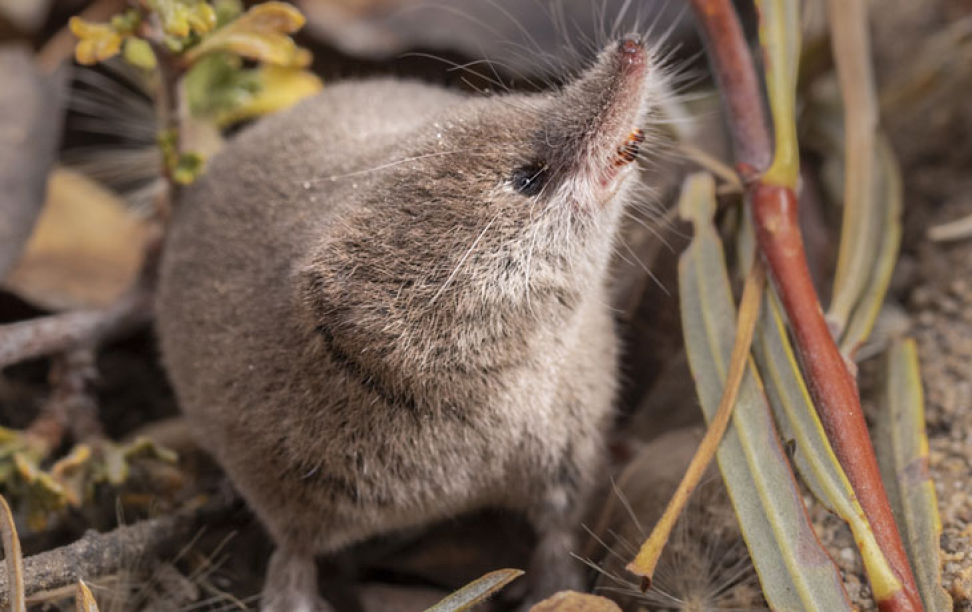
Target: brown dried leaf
(86, 250)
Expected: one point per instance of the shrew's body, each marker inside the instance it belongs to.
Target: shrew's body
(389, 305)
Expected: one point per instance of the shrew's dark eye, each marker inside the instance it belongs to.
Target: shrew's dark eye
(530, 179)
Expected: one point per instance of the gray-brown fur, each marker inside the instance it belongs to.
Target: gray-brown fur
(368, 344)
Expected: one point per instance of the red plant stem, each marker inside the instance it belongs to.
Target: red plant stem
(774, 211)
(738, 83)
(833, 388)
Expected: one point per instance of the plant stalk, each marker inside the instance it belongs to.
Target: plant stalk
(774, 212)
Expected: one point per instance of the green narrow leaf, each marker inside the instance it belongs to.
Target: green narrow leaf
(779, 32)
(902, 448)
(796, 573)
(814, 457)
(477, 591)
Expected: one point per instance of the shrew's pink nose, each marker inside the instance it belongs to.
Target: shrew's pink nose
(632, 51)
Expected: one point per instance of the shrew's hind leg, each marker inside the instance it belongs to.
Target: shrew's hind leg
(556, 517)
(291, 584)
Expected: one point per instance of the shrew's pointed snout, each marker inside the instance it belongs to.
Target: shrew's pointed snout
(593, 133)
(633, 51)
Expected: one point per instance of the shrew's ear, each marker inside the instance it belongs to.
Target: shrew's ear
(327, 299)
(347, 303)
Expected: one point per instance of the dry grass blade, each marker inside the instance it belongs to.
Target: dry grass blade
(84, 601)
(14, 558)
(960, 229)
(647, 560)
(794, 570)
(711, 164)
(888, 198)
(477, 591)
(860, 230)
(903, 453)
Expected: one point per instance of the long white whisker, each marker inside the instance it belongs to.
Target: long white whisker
(465, 256)
(392, 164)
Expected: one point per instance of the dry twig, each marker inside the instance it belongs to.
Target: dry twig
(646, 561)
(33, 338)
(102, 554)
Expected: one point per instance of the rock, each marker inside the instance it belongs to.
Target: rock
(572, 601)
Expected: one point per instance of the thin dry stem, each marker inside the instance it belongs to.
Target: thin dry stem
(646, 561)
(711, 163)
(848, 22)
(14, 558)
